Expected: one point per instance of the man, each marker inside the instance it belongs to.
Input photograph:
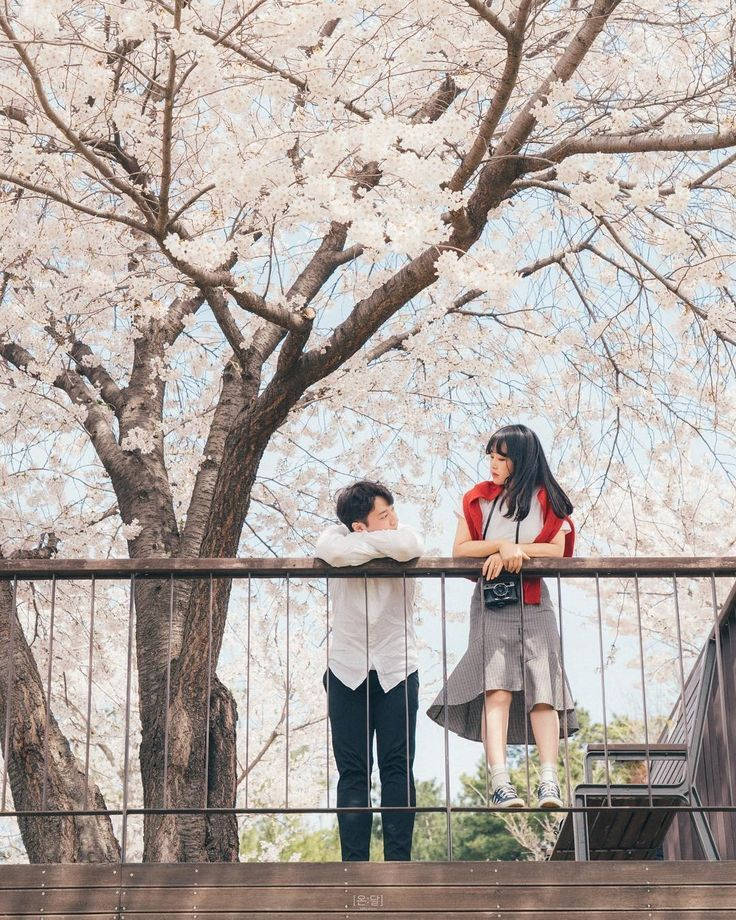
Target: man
(372, 682)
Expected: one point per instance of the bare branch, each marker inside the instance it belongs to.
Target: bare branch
(168, 121)
(261, 63)
(611, 143)
(96, 422)
(230, 329)
(82, 209)
(482, 8)
(52, 114)
(521, 127)
(438, 103)
(665, 282)
(188, 203)
(89, 366)
(247, 300)
(181, 308)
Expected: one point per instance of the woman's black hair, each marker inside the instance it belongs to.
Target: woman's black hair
(530, 471)
(355, 502)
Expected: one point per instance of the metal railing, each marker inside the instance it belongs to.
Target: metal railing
(289, 569)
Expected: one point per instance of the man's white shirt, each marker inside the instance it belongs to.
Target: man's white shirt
(391, 641)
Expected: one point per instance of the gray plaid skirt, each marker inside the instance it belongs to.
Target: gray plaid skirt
(493, 662)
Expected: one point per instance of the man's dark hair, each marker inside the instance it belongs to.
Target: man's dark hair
(355, 502)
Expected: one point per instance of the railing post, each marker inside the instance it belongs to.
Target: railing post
(48, 696)
(722, 688)
(167, 698)
(448, 805)
(10, 687)
(643, 689)
(603, 689)
(327, 688)
(128, 691)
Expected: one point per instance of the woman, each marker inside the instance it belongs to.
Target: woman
(520, 513)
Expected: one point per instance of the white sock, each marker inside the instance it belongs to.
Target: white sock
(548, 773)
(499, 775)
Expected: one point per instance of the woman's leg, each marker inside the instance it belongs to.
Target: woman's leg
(496, 725)
(546, 728)
(494, 730)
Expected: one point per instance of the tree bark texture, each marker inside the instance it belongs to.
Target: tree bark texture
(22, 696)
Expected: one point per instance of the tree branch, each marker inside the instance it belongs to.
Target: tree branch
(51, 113)
(168, 121)
(665, 282)
(89, 366)
(82, 209)
(483, 10)
(229, 406)
(521, 127)
(261, 63)
(481, 144)
(611, 143)
(96, 422)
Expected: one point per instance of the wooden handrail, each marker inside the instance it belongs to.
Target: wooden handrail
(426, 566)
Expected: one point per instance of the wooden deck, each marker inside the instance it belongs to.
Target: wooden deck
(319, 891)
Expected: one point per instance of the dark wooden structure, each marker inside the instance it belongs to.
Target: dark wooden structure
(710, 710)
(420, 891)
(692, 766)
(631, 821)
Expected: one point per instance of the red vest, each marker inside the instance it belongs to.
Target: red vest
(550, 527)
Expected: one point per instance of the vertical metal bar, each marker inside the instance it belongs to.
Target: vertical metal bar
(564, 691)
(524, 715)
(48, 697)
(209, 694)
(89, 692)
(367, 697)
(448, 806)
(128, 685)
(643, 690)
(721, 687)
(288, 687)
(683, 716)
(406, 691)
(603, 689)
(327, 687)
(168, 692)
(484, 722)
(247, 696)
(9, 688)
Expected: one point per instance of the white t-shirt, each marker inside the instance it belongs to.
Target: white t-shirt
(503, 528)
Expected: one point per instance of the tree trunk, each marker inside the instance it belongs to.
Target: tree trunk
(51, 839)
(222, 839)
(186, 838)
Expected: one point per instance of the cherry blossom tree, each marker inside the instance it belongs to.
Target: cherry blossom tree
(245, 242)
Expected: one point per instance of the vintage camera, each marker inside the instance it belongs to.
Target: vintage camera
(501, 591)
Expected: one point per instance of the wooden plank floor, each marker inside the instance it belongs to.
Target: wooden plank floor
(420, 891)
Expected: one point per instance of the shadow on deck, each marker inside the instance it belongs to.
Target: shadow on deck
(319, 891)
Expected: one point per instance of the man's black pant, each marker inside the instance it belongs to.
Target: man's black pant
(352, 740)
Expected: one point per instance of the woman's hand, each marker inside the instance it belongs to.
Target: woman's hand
(492, 566)
(512, 556)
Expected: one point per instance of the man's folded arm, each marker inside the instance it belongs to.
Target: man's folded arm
(402, 544)
(339, 547)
